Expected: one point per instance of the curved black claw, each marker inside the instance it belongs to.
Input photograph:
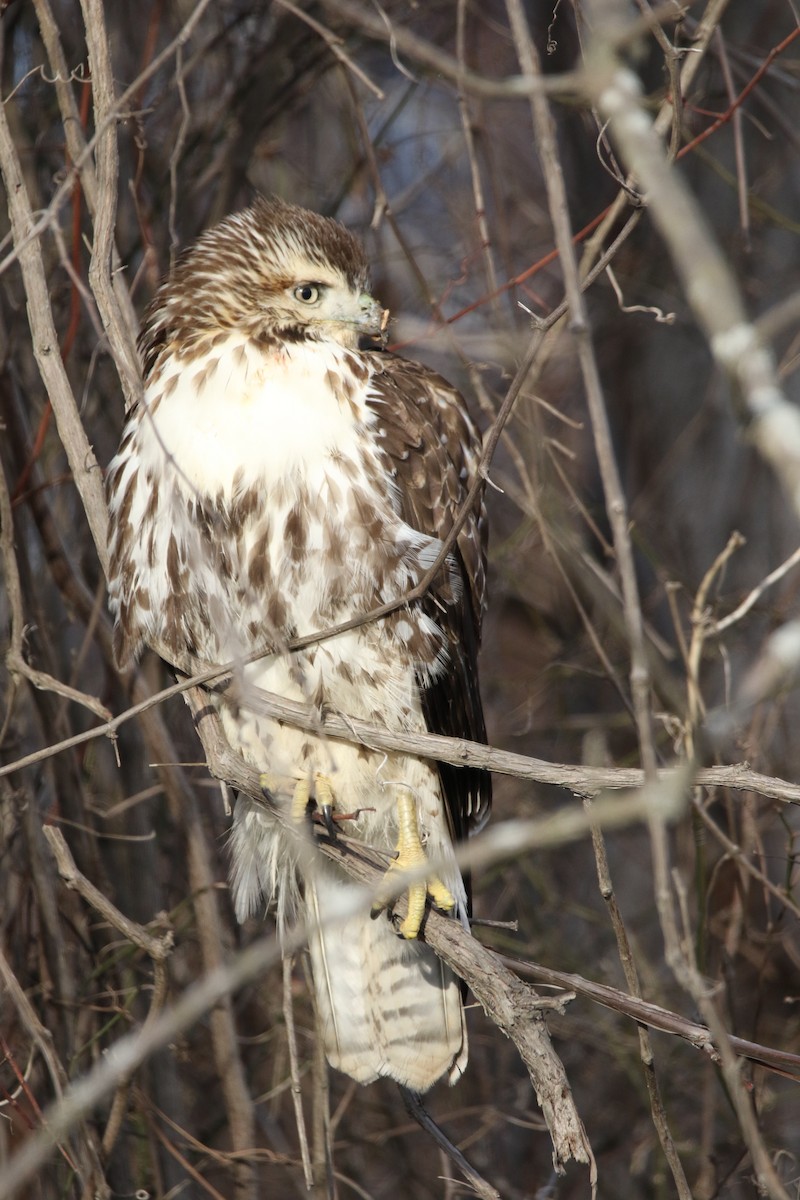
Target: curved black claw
(328, 821)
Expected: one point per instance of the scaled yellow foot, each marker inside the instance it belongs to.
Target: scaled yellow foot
(411, 855)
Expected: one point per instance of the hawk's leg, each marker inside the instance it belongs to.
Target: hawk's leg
(410, 855)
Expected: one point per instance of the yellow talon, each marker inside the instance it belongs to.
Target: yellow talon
(411, 855)
(277, 785)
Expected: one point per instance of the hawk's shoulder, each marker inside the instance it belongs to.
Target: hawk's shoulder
(434, 447)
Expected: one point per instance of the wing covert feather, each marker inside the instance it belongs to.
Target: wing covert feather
(433, 450)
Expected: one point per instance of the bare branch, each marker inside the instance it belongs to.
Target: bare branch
(83, 464)
(158, 947)
(654, 1015)
(107, 165)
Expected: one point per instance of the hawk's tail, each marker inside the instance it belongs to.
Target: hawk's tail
(386, 1006)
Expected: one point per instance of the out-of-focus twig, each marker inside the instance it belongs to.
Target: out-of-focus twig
(710, 284)
(774, 424)
(334, 44)
(616, 507)
(717, 627)
(738, 138)
(424, 53)
(294, 1067)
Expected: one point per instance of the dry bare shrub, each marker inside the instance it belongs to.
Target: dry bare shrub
(369, 115)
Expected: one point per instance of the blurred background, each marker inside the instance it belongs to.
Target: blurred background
(446, 190)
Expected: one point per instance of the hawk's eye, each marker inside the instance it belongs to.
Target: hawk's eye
(307, 293)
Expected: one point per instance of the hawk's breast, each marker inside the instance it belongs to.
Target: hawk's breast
(272, 509)
(235, 416)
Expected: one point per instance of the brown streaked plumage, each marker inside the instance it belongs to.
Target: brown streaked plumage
(275, 481)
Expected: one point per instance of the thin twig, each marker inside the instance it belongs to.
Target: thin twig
(157, 946)
(418, 1111)
(48, 683)
(715, 628)
(738, 138)
(107, 165)
(631, 973)
(334, 44)
(85, 471)
(656, 1017)
(294, 1066)
(79, 152)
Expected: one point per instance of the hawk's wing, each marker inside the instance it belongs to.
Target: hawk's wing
(433, 450)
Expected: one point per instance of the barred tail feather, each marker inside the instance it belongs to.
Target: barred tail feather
(386, 1006)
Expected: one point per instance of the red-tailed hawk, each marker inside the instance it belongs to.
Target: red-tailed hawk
(278, 480)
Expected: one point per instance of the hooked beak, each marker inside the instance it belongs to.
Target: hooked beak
(373, 324)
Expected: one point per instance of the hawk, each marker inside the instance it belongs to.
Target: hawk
(282, 475)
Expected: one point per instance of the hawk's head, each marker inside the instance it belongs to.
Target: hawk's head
(273, 272)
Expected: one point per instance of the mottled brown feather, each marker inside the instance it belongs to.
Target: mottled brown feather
(431, 446)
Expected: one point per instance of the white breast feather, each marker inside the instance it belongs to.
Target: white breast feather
(237, 414)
